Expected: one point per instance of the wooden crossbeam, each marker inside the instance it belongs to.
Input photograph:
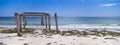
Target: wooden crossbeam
(36, 13)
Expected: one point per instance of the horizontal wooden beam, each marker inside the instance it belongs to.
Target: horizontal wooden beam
(35, 13)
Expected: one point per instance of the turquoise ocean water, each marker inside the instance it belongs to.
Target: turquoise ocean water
(71, 22)
(65, 20)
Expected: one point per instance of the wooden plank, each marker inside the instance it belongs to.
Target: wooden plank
(56, 21)
(34, 15)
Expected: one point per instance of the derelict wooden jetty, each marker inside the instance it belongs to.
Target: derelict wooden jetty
(21, 20)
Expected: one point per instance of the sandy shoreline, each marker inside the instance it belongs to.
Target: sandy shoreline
(37, 39)
(40, 39)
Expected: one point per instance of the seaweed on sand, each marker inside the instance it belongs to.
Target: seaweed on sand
(14, 30)
(82, 33)
(50, 32)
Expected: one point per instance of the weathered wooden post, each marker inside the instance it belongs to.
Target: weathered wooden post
(42, 20)
(17, 24)
(56, 21)
(49, 22)
(21, 23)
(42, 23)
(24, 21)
(46, 21)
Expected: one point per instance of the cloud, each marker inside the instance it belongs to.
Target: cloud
(114, 4)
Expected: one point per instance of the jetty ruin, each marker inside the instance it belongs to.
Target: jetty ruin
(21, 20)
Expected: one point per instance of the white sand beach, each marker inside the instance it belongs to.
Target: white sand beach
(40, 39)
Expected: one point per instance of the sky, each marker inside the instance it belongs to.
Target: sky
(63, 8)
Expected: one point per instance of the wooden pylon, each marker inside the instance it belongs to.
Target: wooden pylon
(56, 21)
(24, 21)
(17, 24)
(49, 22)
